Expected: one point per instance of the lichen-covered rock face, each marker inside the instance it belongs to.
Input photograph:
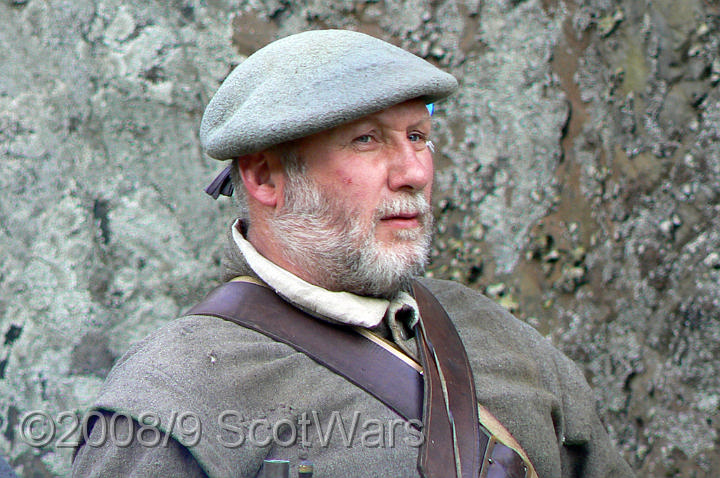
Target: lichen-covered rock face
(578, 184)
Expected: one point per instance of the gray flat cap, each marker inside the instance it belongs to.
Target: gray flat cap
(310, 82)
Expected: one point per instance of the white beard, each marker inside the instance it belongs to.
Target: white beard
(323, 236)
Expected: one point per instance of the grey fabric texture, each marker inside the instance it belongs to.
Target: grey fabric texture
(206, 366)
(101, 457)
(310, 82)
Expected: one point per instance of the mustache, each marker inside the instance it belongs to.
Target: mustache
(411, 204)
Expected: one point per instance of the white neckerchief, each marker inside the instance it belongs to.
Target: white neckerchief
(343, 307)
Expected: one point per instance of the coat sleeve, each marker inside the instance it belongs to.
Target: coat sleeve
(585, 447)
(107, 456)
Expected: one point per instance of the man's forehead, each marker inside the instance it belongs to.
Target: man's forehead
(411, 113)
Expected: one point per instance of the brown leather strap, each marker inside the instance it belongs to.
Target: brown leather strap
(501, 461)
(450, 401)
(339, 348)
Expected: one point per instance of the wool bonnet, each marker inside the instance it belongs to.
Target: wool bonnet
(310, 82)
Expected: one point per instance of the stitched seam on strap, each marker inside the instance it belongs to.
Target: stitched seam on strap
(446, 398)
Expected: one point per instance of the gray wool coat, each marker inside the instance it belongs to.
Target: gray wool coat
(227, 398)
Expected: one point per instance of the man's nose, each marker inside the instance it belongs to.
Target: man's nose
(410, 168)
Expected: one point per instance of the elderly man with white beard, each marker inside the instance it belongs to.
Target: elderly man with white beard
(324, 351)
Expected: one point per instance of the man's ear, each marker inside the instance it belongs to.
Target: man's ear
(263, 176)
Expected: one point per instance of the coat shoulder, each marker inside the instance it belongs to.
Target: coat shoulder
(473, 313)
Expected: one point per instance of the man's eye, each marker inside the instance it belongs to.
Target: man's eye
(416, 137)
(366, 138)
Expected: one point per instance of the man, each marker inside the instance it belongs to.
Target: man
(329, 137)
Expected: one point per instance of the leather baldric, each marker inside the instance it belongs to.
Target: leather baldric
(450, 407)
(443, 400)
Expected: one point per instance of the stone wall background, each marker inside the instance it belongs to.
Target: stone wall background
(578, 185)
